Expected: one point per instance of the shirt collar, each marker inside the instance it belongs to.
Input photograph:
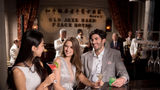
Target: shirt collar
(101, 54)
(61, 39)
(78, 36)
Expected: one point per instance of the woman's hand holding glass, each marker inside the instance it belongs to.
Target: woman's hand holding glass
(97, 79)
(53, 66)
(50, 79)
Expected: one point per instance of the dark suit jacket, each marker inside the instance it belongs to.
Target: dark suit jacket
(112, 64)
(118, 47)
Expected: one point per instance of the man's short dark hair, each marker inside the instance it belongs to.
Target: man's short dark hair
(101, 33)
(79, 31)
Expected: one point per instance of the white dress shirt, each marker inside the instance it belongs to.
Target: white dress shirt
(58, 45)
(82, 42)
(13, 53)
(97, 66)
(134, 48)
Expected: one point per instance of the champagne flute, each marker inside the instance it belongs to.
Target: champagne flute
(100, 76)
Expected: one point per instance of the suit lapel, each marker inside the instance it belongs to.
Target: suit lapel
(90, 62)
(104, 61)
(112, 45)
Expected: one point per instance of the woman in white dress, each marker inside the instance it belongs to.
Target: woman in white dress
(28, 71)
(69, 68)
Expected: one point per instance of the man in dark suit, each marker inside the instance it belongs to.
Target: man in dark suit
(103, 60)
(116, 44)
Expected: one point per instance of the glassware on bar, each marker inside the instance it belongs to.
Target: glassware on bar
(53, 66)
(111, 80)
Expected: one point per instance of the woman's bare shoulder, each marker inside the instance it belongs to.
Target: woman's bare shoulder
(57, 59)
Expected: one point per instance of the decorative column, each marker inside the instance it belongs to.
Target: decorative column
(148, 19)
(3, 54)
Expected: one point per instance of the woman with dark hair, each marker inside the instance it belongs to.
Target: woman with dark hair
(28, 71)
(69, 67)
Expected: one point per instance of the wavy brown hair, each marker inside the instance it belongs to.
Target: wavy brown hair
(75, 59)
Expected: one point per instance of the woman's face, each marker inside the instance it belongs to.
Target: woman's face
(38, 50)
(68, 50)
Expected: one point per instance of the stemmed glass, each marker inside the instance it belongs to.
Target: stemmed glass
(53, 66)
(100, 76)
(151, 62)
(156, 62)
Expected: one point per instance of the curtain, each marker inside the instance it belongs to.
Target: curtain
(26, 13)
(119, 10)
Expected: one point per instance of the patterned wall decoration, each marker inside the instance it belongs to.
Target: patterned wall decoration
(52, 19)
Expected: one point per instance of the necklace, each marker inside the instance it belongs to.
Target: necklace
(30, 69)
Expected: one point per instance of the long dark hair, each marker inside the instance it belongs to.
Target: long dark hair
(75, 59)
(30, 38)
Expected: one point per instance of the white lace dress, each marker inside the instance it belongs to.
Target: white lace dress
(32, 79)
(66, 80)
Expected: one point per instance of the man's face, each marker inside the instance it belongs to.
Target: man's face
(130, 34)
(81, 34)
(139, 35)
(114, 37)
(63, 35)
(97, 42)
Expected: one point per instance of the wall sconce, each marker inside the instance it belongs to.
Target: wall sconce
(108, 25)
(35, 24)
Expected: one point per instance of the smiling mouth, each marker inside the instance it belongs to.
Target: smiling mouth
(68, 52)
(94, 45)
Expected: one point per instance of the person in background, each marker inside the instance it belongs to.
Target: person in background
(103, 60)
(58, 44)
(135, 48)
(139, 55)
(116, 44)
(126, 46)
(28, 72)
(130, 37)
(69, 68)
(14, 51)
(81, 39)
(88, 48)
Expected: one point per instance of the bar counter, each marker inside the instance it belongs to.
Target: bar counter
(135, 85)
